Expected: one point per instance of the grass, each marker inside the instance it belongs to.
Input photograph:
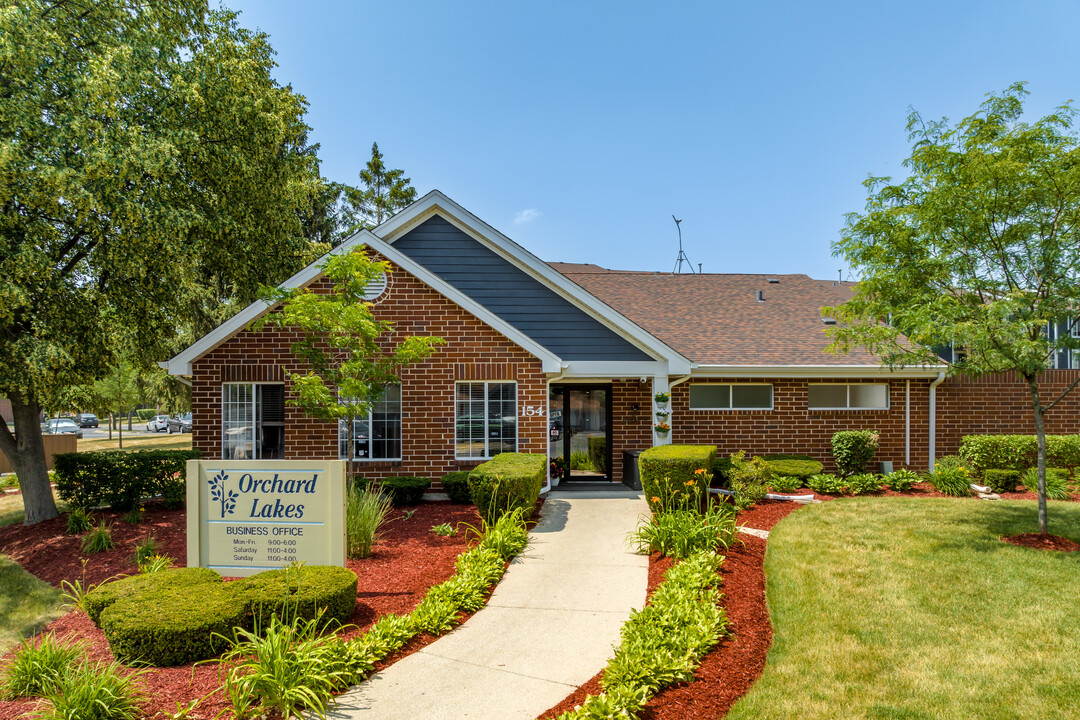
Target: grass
(26, 603)
(11, 508)
(913, 609)
(164, 441)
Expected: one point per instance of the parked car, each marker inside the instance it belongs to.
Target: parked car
(179, 424)
(158, 423)
(61, 426)
(86, 420)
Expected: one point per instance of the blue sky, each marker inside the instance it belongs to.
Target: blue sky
(579, 128)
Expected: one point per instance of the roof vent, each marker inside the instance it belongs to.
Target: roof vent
(761, 296)
(828, 320)
(774, 281)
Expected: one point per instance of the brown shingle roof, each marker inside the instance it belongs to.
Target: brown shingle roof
(716, 319)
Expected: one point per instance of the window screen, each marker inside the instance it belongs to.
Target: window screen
(758, 396)
(861, 396)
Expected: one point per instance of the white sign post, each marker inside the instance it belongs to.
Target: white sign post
(247, 516)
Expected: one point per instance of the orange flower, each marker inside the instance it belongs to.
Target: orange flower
(699, 471)
(690, 483)
(655, 499)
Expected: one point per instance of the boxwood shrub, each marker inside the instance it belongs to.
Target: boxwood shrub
(456, 485)
(299, 592)
(147, 585)
(853, 449)
(1018, 452)
(122, 480)
(405, 490)
(665, 471)
(506, 482)
(794, 467)
(1000, 480)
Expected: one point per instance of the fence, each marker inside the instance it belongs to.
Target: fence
(54, 445)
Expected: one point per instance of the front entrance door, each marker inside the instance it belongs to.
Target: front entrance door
(580, 430)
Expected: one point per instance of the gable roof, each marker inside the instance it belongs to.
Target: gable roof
(717, 321)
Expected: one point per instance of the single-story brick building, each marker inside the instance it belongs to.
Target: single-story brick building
(566, 359)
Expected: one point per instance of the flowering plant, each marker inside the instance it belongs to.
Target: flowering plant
(661, 398)
(662, 428)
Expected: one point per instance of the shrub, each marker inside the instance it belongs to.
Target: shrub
(581, 461)
(785, 483)
(951, 479)
(901, 480)
(667, 471)
(827, 484)
(598, 453)
(35, 671)
(1018, 452)
(1057, 482)
(405, 490)
(682, 533)
(79, 520)
(795, 467)
(721, 471)
(121, 480)
(105, 594)
(853, 449)
(506, 482)
(90, 691)
(864, 483)
(365, 512)
(1001, 480)
(456, 485)
(951, 462)
(145, 414)
(749, 479)
(302, 591)
(98, 540)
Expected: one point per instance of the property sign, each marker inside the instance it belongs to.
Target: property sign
(246, 516)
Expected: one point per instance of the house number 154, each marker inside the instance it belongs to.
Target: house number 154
(531, 410)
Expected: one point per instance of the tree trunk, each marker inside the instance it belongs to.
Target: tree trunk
(112, 421)
(26, 452)
(1040, 434)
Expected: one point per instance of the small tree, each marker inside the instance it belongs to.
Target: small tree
(351, 359)
(384, 193)
(978, 248)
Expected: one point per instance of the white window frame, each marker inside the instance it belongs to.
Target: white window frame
(487, 433)
(1074, 327)
(731, 398)
(848, 387)
(256, 453)
(371, 425)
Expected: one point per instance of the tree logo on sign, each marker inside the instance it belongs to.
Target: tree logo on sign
(218, 494)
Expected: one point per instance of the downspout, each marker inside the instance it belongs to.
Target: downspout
(933, 418)
(547, 409)
(907, 423)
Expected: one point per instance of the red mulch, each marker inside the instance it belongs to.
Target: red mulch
(1038, 541)
(926, 490)
(405, 563)
(736, 662)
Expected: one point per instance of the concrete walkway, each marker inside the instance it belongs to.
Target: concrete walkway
(549, 626)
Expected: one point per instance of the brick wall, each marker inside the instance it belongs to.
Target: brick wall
(473, 351)
(631, 420)
(1000, 404)
(791, 427)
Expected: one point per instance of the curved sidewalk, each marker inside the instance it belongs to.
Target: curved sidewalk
(549, 626)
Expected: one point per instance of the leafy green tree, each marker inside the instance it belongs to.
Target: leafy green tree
(979, 247)
(151, 173)
(383, 194)
(350, 355)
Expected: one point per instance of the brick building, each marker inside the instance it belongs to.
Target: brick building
(568, 359)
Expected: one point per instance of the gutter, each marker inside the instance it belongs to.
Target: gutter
(933, 418)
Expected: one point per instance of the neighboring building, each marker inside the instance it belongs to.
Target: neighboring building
(5, 411)
(555, 358)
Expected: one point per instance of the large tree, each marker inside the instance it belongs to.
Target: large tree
(383, 194)
(149, 166)
(978, 248)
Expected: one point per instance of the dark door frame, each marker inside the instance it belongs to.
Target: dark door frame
(564, 389)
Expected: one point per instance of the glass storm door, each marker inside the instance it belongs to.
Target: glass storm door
(579, 430)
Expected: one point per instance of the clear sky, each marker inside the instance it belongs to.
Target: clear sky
(579, 128)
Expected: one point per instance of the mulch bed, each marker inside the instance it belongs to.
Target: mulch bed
(736, 662)
(405, 563)
(1038, 541)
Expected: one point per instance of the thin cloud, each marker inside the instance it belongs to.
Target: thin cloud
(527, 215)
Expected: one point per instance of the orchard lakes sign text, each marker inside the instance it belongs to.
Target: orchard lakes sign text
(257, 515)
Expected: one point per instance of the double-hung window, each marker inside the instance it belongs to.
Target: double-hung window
(853, 396)
(741, 396)
(376, 432)
(485, 419)
(253, 421)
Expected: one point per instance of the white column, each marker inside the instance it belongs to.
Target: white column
(660, 385)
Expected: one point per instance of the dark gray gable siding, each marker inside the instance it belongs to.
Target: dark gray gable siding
(512, 294)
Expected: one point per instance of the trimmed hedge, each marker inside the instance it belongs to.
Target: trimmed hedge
(1000, 480)
(598, 453)
(506, 482)
(666, 470)
(171, 617)
(1018, 452)
(122, 480)
(792, 467)
(456, 485)
(405, 490)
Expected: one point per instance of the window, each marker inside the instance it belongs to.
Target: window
(758, 396)
(861, 396)
(1074, 327)
(376, 434)
(485, 419)
(252, 421)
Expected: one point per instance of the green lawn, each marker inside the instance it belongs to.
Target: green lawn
(11, 508)
(26, 603)
(175, 441)
(911, 608)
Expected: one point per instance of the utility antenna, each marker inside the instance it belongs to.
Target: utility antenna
(682, 256)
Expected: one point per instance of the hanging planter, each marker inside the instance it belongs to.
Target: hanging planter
(662, 398)
(662, 415)
(661, 429)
